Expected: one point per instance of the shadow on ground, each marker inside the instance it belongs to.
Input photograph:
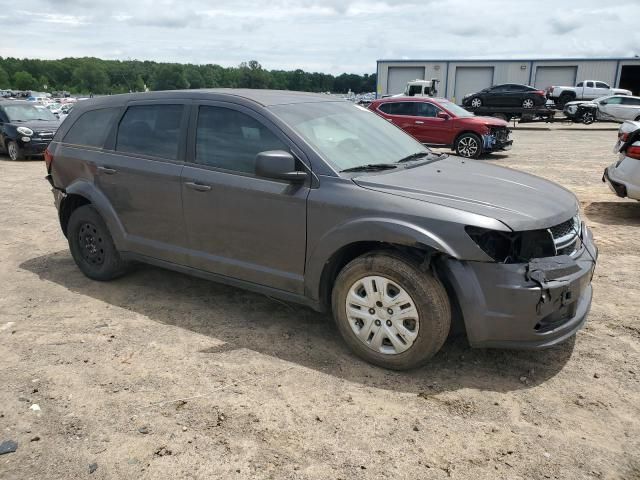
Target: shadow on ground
(244, 320)
(614, 213)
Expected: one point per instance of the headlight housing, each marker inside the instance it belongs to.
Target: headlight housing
(513, 247)
(25, 131)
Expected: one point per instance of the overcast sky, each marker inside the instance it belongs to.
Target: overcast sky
(331, 36)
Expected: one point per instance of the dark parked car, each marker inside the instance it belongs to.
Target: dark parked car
(319, 201)
(507, 95)
(25, 129)
(439, 122)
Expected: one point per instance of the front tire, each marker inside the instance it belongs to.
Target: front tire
(389, 312)
(468, 145)
(14, 151)
(588, 118)
(92, 247)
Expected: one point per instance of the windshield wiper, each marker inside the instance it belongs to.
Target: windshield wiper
(413, 156)
(370, 167)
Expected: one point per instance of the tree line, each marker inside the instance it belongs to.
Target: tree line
(97, 76)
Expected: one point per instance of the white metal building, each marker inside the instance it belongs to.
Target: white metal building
(459, 77)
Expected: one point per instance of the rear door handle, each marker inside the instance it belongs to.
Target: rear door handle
(106, 170)
(197, 186)
(419, 122)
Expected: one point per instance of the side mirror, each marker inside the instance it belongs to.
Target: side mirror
(443, 115)
(278, 164)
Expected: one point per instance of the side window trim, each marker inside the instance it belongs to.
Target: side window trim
(112, 138)
(190, 158)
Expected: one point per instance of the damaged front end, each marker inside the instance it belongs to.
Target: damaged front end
(536, 294)
(498, 138)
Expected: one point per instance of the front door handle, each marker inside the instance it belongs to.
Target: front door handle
(419, 122)
(107, 170)
(197, 186)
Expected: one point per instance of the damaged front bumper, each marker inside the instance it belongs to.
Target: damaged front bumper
(526, 305)
(493, 142)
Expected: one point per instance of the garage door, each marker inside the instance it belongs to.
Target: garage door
(549, 76)
(471, 79)
(399, 76)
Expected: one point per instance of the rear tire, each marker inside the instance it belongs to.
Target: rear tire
(14, 151)
(400, 335)
(476, 102)
(528, 103)
(92, 247)
(565, 98)
(468, 145)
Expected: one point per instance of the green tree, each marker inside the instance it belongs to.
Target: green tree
(91, 77)
(169, 77)
(24, 81)
(4, 78)
(194, 77)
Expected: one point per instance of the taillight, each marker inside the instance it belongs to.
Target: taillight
(633, 151)
(48, 159)
(540, 92)
(623, 136)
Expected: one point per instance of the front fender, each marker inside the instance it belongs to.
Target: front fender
(102, 204)
(381, 230)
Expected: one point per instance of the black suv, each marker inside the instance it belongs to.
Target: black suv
(25, 128)
(319, 201)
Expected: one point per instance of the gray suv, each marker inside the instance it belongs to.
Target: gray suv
(319, 201)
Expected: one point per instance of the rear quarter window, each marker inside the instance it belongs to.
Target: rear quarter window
(91, 128)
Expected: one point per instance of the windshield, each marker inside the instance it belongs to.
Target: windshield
(347, 135)
(24, 113)
(457, 110)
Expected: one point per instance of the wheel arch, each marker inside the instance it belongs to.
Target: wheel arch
(463, 132)
(340, 246)
(82, 193)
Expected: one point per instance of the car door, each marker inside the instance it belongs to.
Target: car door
(629, 108)
(428, 127)
(590, 91)
(240, 225)
(610, 108)
(140, 173)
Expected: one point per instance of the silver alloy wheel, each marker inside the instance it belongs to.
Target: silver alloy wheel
(476, 102)
(468, 147)
(527, 103)
(12, 150)
(382, 315)
(588, 118)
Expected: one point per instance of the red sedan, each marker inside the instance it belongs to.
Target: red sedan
(439, 122)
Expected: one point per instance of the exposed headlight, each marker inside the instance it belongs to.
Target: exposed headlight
(513, 247)
(25, 131)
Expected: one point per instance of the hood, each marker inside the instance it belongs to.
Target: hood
(517, 199)
(488, 121)
(39, 125)
(621, 91)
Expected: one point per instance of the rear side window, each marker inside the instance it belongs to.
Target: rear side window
(91, 128)
(580, 84)
(230, 139)
(630, 101)
(152, 130)
(397, 108)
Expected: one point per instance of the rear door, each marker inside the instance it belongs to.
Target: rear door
(400, 114)
(139, 172)
(629, 108)
(240, 225)
(590, 91)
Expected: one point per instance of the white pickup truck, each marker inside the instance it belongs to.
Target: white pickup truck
(587, 90)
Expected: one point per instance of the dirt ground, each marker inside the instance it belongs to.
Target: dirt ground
(159, 375)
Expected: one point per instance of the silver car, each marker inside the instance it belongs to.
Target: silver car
(612, 107)
(623, 177)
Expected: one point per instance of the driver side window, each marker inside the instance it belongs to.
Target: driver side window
(426, 110)
(230, 139)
